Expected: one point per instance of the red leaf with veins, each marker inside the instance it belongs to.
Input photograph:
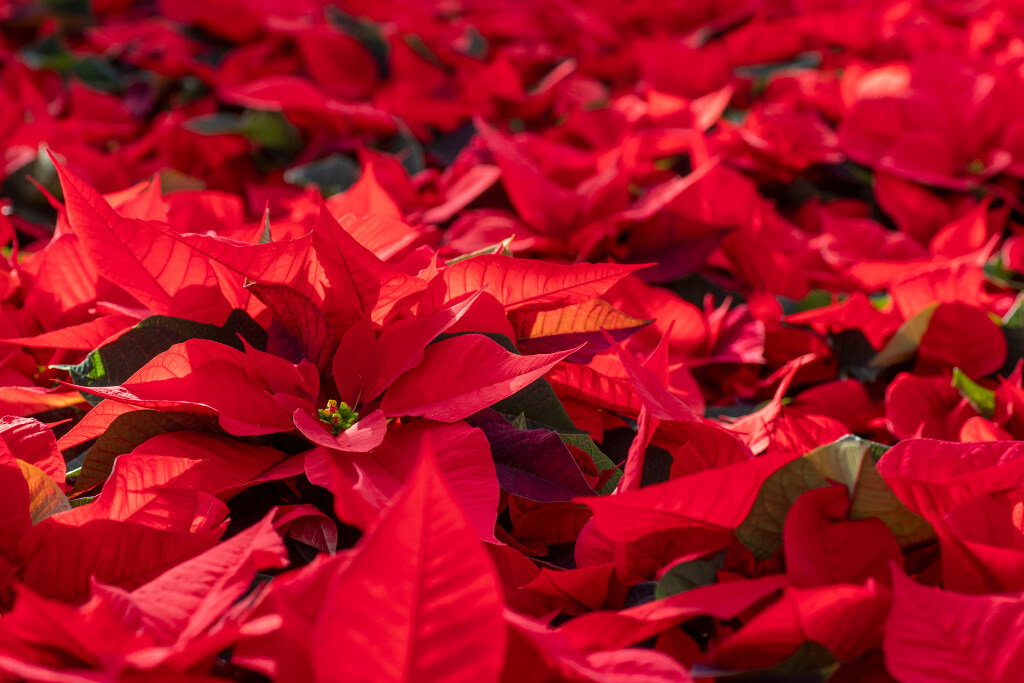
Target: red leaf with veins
(229, 465)
(357, 282)
(844, 618)
(963, 336)
(150, 516)
(82, 337)
(442, 616)
(530, 285)
(935, 635)
(461, 375)
(607, 630)
(202, 377)
(152, 265)
(402, 344)
(302, 319)
(934, 477)
(363, 484)
(712, 499)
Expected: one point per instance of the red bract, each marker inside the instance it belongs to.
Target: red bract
(421, 341)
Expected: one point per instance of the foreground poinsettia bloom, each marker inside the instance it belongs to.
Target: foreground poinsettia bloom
(420, 341)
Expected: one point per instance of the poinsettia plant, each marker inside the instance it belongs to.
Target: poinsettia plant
(537, 341)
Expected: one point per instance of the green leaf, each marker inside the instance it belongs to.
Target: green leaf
(997, 273)
(499, 248)
(601, 461)
(981, 399)
(366, 32)
(269, 129)
(687, 576)
(99, 74)
(332, 174)
(407, 149)
(850, 461)
(128, 431)
(815, 299)
(79, 9)
(473, 44)
(1013, 330)
(48, 53)
(113, 363)
(904, 344)
(539, 403)
(419, 47)
(221, 123)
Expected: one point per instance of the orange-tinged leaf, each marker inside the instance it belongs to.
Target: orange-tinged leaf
(150, 516)
(589, 316)
(45, 497)
(26, 401)
(555, 329)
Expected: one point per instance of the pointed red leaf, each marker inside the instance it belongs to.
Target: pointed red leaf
(705, 446)
(963, 336)
(229, 465)
(420, 599)
(530, 285)
(357, 281)
(302, 319)
(935, 635)
(82, 337)
(185, 600)
(934, 477)
(150, 516)
(363, 484)
(656, 397)
(33, 400)
(718, 498)
(462, 375)
(588, 384)
(402, 344)
(283, 262)
(542, 203)
(355, 362)
(202, 377)
(141, 258)
(846, 619)
(757, 429)
(609, 630)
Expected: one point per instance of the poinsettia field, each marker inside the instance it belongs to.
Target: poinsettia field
(521, 340)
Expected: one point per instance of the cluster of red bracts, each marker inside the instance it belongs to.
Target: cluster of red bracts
(521, 340)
